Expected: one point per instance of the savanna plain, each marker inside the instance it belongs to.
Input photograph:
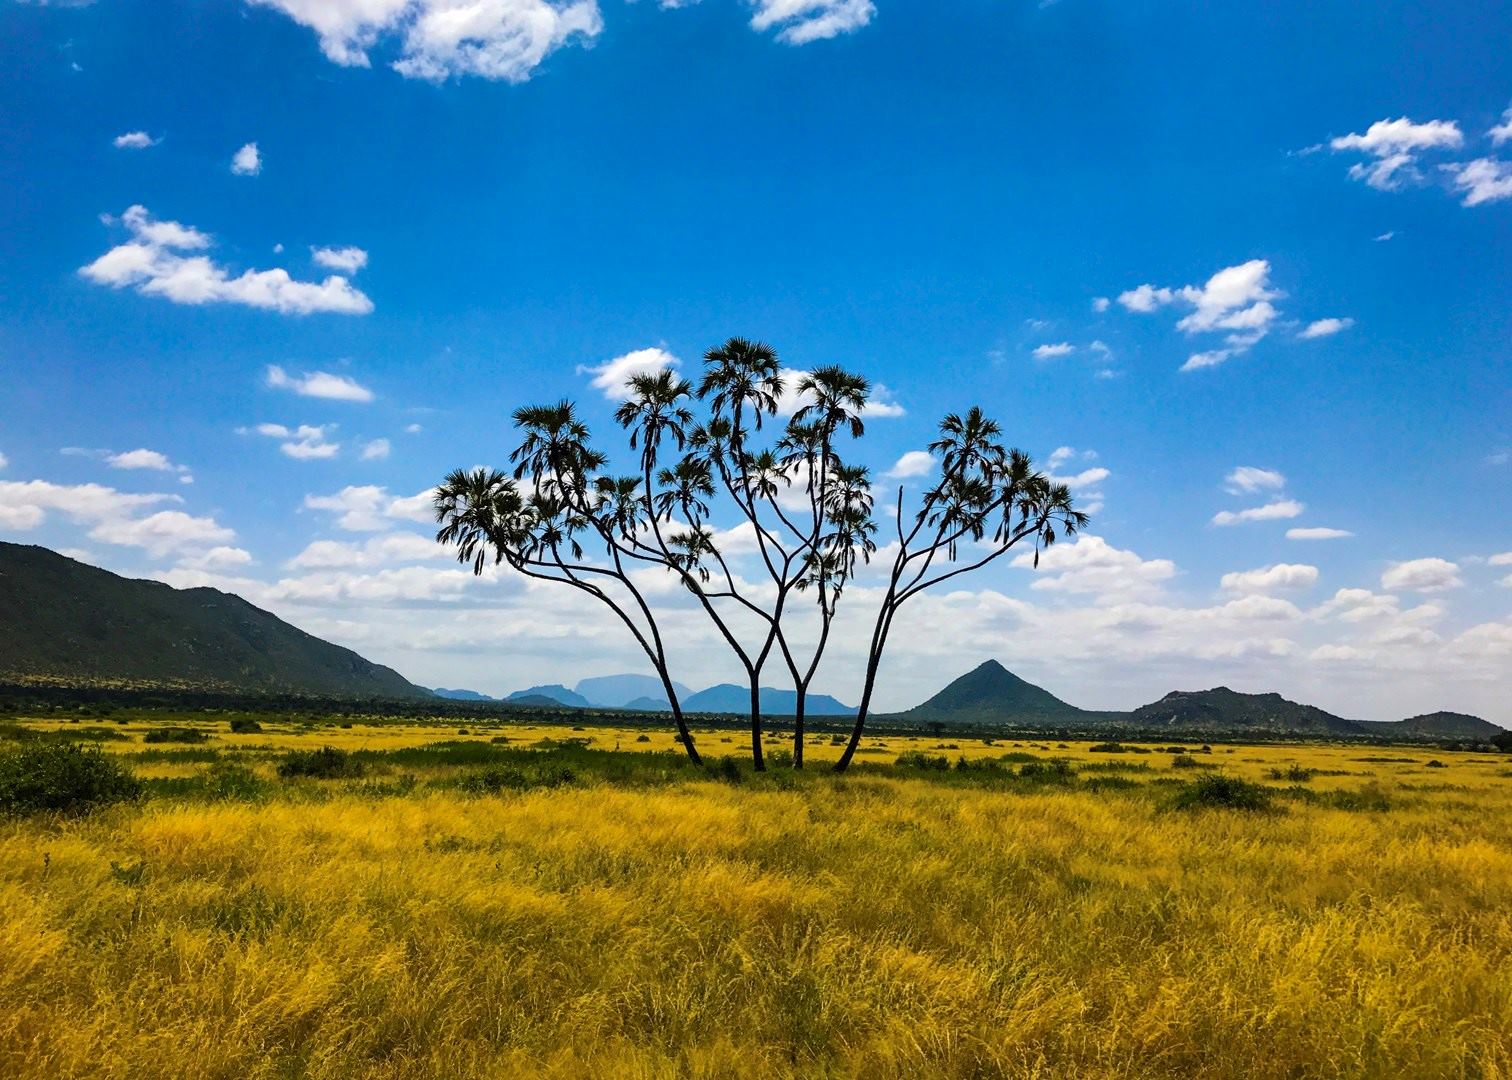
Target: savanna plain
(408, 899)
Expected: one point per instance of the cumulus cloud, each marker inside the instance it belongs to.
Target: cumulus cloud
(1396, 145)
(1270, 578)
(158, 260)
(1051, 352)
(375, 450)
(1318, 532)
(1091, 565)
(247, 161)
(1281, 508)
(1422, 575)
(612, 376)
(1236, 301)
(370, 508)
(1324, 328)
(799, 22)
(913, 463)
(133, 140)
(386, 550)
(318, 384)
(303, 443)
(1248, 479)
(111, 514)
(1482, 180)
(163, 533)
(442, 39)
(346, 259)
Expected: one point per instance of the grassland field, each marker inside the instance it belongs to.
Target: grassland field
(544, 900)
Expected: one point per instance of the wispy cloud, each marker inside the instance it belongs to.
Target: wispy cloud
(318, 384)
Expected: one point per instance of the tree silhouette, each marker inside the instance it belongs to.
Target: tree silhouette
(987, 496)
(562, 516)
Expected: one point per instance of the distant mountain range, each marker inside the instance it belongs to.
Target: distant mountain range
(642, 693)
(991, 694)
(65, 621)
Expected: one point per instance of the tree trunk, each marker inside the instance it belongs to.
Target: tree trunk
(873, 664)
(798, 710)
(759, 762)
(677, 718)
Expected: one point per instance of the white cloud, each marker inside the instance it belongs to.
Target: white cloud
(319, 384)
(163, 533)
(389, 549)
(1248, 479)
(442, 39)
(1422, 575)
(913, 463)
(1325, 328)
(413, 429)
(799, 22)
(347, 259)
(134, 140)
(1091, 565)
(1502, 132)
(303, 443)
(4, 461)
(1236, 299)
(1482, 180)
(1101, 304)
(1389, 234)
(369, 508)
(1395, 145)
(1283, 508)
(25, 504)
(1269, 578)
(376, 450)
(247, 161)
(612, 376)
(153, 261)
(1385, 137)
(1502, 559)
(1319, 532)
(217, 559)
(1051, 352)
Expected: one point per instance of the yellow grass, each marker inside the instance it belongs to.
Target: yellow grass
(866, 926)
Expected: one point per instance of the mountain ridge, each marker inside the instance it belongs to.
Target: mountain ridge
(63, 619)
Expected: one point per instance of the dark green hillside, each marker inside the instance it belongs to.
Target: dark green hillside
(63, 621)
(1225, 710)
(991, 694)
(1434, 725)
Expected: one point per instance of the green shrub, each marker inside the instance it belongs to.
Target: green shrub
(228, 780)
(327, 763)
(643, 738)
(1217, 791)
(917, 759)
(1436, 764)
(175, 735)
(61, 778)
(1048, 772)
(728, 770)
(1108, 748)
(245, 726)
(1295, 773)
(1184, 761)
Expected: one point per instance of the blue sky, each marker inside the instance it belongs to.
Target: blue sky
(308, 256)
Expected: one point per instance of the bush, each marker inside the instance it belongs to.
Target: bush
(61, 778)
(643, 738)
(245, 726)
(1184, 761)
(1217, 791)
(1108, 748)
(175, 734)
(728, 770)
(1294, 773)
(327, 763)
(228, 780)
(1436, 764)
(1048, 772)
(917, 759)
